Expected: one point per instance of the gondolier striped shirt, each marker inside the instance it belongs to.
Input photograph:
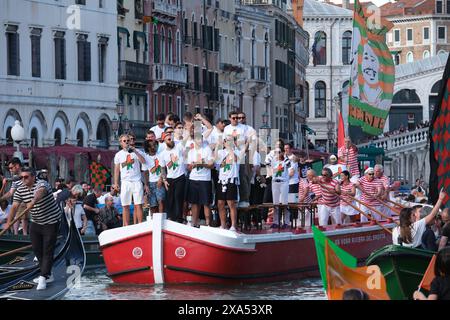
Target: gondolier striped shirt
(370, 189)
(302, 191)
(352, 159)
(385, 181)
(329, 196)
(45, 211)
(315, 189)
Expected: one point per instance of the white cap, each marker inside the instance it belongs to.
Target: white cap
(333, 157)
(369, 170)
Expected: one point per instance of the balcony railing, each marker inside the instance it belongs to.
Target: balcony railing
(164, 8)
(135, 72)
(169, 73)
(259, 73)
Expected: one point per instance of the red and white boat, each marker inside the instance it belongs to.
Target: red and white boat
(161, 251)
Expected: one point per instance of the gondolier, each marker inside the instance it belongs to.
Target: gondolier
(330, 190)
(348, 155)
(45, 218)
(371, 189)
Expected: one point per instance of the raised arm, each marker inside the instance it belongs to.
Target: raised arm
(429, 218)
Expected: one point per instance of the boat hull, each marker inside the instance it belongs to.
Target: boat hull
(403, 269)
(176, 253)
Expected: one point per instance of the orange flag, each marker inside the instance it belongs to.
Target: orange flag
(428, 276)
(341, 131)
(341, 278)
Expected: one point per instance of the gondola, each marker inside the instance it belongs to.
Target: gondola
(69, 262)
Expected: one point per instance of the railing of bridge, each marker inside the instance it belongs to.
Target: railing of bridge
(402, 140)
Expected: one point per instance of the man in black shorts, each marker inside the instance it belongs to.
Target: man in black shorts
(227, 186)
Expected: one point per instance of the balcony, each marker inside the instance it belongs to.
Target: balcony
(259, 74)
(228, 67)
(168, 76)
(134, 72)
(164, 8)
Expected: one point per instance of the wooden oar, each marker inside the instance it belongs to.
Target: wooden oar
(371, 208)
(357, 209)
(15, 251)
(397, 204)
(382, 202)
(17, 218)
(366, 215)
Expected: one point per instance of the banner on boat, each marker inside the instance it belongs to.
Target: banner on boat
(372, 73)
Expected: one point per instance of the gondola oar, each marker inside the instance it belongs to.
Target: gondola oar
(357, 209)
(15, 251)
(17, 218)
(372, 208)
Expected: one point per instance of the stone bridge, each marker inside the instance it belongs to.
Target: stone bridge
(409, 152)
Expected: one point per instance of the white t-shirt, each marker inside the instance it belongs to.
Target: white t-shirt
(215, 136)
(158, 131)
(256, 163)
(78, 214)
(173, 161)
(152, 164)
(293, 167)
(239, 132)
(227, 165)
(116, 199)
(337, 168)
(201, 155)
(280, 169)
(417, 230)
(130, 167)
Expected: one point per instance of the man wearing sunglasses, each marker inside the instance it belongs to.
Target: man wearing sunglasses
(127, 166)
(371, 189)
(160, 126)
(15, 168)
(38, 197)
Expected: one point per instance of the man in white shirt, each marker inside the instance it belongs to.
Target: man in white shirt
(127, 166)
(160, 126)
(200, 163)
(238, 132)
(172, 163)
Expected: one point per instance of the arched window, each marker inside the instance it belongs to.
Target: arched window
(409, 57)
(80, 138)
(442, 52)
(163, 46)
(156, 52)
(319, 48)
(433, 97)
(253, 47)
(346, 47)
(396, 58)
(320, 98)
(266, 50)
(194, 29)
(57, 137)
(34, 137)
(103, 134)
(178, 48)
(170, 44)
(426, 54)
(9, 139)
(406, 110)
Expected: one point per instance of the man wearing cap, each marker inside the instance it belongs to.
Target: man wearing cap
(371, 189)
(330, 204)
(46, 215)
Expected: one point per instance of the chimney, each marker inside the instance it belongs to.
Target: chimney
(346, 4)
(297, 8)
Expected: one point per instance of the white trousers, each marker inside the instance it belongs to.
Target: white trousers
(326, 211)
(368, 211)
(280, 192)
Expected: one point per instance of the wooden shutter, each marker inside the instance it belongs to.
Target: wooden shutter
(216, 40)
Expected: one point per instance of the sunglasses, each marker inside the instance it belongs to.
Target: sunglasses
(370, 174)
(233, 118)
(241, 118)
(10, 168)
(24, 177)
(125, 141)
(132, 138)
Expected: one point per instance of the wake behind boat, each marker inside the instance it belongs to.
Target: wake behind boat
(162, 251)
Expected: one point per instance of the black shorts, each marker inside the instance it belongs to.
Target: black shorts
(293, 188)
(231, 192)
(199, 192)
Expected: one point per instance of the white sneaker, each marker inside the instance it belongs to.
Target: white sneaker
(50, 279)
(42, 284)
(232, 229)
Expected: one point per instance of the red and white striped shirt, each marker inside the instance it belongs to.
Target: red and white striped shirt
(346, 187)
(315, 189)
(329, 196)
(370, 189)
(302, 191)
(352, 159)
(384, 181)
